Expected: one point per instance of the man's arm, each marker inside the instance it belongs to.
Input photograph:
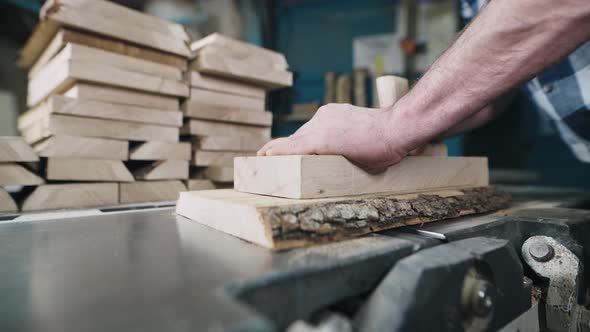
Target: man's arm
(510, 42)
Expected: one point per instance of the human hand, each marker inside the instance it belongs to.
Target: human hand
(362, 135)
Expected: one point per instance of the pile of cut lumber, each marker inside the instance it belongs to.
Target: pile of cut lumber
(225, 113)
(104, 92)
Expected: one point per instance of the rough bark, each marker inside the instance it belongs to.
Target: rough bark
(322, 222)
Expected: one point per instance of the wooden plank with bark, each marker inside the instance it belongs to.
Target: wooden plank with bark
(72, 196)
(280, 223)
(314, 176)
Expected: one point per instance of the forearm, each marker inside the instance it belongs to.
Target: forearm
(508, 43)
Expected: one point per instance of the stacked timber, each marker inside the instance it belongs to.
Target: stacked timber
(225, 115)
(15, 159)
(104, 91)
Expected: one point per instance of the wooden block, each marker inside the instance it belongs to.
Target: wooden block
(199, 110)
(221, 99)
(14, 149)
(163, 170)
(234, 48)
(77, 169)
(435, 150)
(217, 158)
(209, 62)
(82, 90)
(161, 151)
(280, 223)
(16, 175)
(98, 55)
(69, 65)
(65, 146)
(390, 89)
(65, 35)
(150, 191)
(314, 176)
(219, 173)
(199, 184)
(72, 196)
(207, 82)
(103, 110)
(226, 143)
(55, 124)
(212, 128)
(7, 204)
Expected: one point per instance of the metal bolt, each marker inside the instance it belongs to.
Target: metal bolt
(541, 251)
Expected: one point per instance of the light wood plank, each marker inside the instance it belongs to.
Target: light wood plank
(212, 128)
(280, 223)
(201, 110)
(199, 184)
(161, 151)
(78, 169)
(217, 158)
(207, 82)
(163, 170)
(221, 99)
(219, 173)
(226, 143)
(87, 127)
(127, 29)
(150, 191)
(7, 204)
(15, 149)
(16, 175)
(72, 196)
(69, 65)
(65, 146)
(37, 43)
(234, 48)
(210, 62)
(314, 176)
(110, 111)
(83, 90)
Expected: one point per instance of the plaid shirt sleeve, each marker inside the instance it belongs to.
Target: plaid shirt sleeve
(562, 91)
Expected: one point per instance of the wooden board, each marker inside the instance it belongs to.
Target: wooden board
(72, 196)
(210, 62)
(226, 143)
(14, 149)
(221, 99)
(219, 173)
(55, 124)
(435, 150)
(103, 110)
(217, 158)
(77, 169)
(83, 90)
(65, 146)
(7, 204)
(314, 176)
(82, 52)
(233, 48)
(16, 175)
(69, 66)
(200, 110)
(199, 184)
(280, 223)
(161, 151)
(163, 170)
(150, 191)
(212, 128)
(64, 36)
(207, 82)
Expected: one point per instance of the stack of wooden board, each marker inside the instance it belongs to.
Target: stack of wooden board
(225, 113)
(102, 77)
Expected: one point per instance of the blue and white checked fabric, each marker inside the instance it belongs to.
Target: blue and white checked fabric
(562, 91)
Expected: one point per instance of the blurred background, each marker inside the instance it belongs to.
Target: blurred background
(334, 48)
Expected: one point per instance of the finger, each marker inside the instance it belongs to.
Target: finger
(269, 145)
(291, 146)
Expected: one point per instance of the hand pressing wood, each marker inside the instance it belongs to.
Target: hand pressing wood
(279, 223)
